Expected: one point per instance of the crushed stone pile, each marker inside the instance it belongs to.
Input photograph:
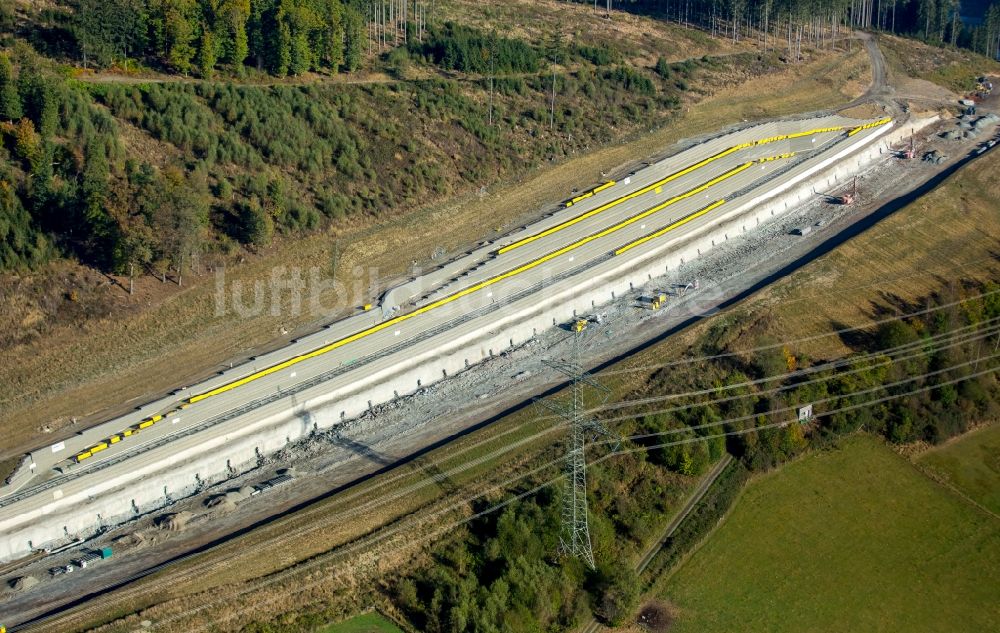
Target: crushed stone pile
(174, 522)
(22, 583)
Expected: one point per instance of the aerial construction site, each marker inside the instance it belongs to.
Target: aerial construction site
(423, 361)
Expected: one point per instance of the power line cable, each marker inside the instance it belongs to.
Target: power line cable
(881, 361)
(762, 348)
(852, 407)
(496, 453)
(846, 361)
(623, 404)
(534, 490)
(852, 394)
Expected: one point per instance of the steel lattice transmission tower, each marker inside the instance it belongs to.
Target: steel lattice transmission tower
(575, 537)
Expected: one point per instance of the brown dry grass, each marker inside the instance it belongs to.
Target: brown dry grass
(950, 69)
(947, 236)
(642, 39)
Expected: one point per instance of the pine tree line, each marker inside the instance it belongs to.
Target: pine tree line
(282, 37)
(291, 37)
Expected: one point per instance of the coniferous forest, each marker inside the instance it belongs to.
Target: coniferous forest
(249, 159)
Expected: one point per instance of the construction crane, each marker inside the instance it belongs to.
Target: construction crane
(910, 152)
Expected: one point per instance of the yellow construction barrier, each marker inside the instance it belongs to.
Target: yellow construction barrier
(776, 157)
(614, 203)
(868, 126)
(462, 293)
(696, 214)
(671, 227)
(658, 184)
(590, 193)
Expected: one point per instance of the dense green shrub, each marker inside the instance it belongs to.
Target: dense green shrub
(662, 68)
(616, 592)
(257, 225)
(465, 49)
(705, 516)
(632, 80)
(598, 55)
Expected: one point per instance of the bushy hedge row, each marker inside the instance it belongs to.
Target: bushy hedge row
(703, 518)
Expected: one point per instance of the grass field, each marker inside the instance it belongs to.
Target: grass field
(367, 623)
(853, 539)
(971, 464)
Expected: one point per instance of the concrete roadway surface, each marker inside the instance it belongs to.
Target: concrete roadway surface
(426, 331)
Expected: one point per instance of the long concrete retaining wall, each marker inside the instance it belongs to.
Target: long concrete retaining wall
(245, 441)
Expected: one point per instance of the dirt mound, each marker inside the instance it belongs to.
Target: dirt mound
(174, 522)
(655, 616)
(128, 541)
(220, 503)
(229, 498)
(22, 583)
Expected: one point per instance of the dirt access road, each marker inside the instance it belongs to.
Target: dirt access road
(879, 90)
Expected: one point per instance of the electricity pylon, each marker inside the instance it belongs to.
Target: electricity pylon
(575, 537)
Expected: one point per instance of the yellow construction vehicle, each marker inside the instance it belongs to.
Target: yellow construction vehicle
(579, 325)
(657, 301)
